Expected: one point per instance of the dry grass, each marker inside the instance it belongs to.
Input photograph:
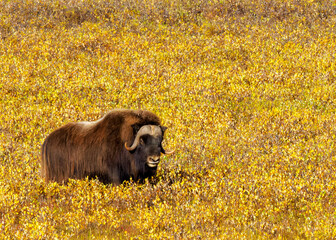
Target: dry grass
(247, 89)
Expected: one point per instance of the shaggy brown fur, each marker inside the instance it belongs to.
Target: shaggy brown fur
(96, 149)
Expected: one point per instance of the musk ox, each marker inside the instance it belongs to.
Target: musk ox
(124, 144)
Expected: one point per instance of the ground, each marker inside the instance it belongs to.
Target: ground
(247, 91)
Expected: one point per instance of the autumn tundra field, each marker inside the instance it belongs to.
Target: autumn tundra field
(247, 89)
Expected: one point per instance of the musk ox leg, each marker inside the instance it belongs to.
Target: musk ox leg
(115, 176)
(106, 178)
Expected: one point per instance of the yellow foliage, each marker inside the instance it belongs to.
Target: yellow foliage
(247, 89)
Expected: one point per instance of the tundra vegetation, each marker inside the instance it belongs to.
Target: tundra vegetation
(247, 89)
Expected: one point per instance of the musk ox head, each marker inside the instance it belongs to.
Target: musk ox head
(147, 144)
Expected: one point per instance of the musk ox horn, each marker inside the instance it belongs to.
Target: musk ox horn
(167, 152)
(146, 129)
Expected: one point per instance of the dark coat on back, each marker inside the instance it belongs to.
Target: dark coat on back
(96, 149)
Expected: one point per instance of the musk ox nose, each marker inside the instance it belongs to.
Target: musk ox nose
(153, 161)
